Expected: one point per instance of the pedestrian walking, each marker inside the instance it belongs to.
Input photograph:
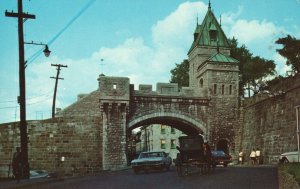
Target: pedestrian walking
(17, 164)
(257, 156)
(252, 156)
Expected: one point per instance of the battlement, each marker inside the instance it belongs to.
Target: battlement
(165, 89)
(118, 86)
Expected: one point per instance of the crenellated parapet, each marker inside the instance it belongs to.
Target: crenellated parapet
(165, 89)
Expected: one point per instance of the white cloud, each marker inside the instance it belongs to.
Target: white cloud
(248, 31)
(280, 61)
(176, 29)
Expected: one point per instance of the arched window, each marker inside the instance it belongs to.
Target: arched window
(215, 88)
(201, 83)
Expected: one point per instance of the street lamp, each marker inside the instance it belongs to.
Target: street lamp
(46, 50)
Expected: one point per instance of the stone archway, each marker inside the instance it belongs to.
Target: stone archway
(223, 145)
(182, 122)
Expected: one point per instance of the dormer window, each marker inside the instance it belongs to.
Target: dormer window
(212, 32)
(213, 35)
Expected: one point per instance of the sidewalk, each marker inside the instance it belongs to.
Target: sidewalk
(27, 183)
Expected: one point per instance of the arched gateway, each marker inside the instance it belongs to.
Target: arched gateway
(208, 106)
(123, 109)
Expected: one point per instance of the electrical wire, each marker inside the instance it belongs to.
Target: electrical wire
(38, 53)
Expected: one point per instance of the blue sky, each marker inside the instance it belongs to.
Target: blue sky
(138, 39)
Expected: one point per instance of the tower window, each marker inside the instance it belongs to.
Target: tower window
(114, 86)
(223, 88)
(215, 88)
(230, 89)
(201, 83)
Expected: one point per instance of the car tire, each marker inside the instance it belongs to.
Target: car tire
(168, 167)
(225, 165)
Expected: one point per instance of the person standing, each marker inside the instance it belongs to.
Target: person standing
(252, 156)
(257, 156)
(17, 164)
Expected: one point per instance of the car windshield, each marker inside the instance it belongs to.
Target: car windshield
(218, 153)
(150, 154)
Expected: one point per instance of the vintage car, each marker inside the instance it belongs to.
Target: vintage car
(221, 158)
(151, 161)
(289, 157)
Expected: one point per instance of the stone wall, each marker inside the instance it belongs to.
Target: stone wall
(269, 121)
(75, 139)
(75, 134)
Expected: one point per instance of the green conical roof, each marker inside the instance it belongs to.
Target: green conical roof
(209, 33)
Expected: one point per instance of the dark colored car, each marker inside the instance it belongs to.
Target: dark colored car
(151, 160)
(221, 158)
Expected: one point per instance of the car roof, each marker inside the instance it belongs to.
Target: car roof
(154, 152)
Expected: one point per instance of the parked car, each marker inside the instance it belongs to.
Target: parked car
(151, 160)
(221, 158)
(38, 174)
(289, 157)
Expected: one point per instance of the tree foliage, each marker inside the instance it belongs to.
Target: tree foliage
(180, 74)
(253, 69)
(291, 51)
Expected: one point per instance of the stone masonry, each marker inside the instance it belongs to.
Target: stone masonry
(269, 121)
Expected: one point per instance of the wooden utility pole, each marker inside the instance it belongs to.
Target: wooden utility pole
(55, 87)
(22, 98)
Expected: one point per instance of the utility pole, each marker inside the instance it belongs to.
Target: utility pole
(22, 98)
(55, 88)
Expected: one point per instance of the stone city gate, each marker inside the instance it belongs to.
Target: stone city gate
(124, 109)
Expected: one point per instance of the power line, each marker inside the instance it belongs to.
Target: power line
(42, 95)
(38, 53)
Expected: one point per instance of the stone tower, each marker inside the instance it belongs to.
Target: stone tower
(114, 104)
(214, 74)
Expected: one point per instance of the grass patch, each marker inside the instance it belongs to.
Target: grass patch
(293, 169)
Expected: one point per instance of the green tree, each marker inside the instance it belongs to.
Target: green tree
(180, 74)
(291, 51)
(243, 55)
(253, 70)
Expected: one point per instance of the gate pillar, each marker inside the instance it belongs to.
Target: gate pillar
(114, 101)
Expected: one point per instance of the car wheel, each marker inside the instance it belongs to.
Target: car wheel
(225, 165)
(168, 167)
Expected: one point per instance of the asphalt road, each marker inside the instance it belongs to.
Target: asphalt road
(222, 178)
